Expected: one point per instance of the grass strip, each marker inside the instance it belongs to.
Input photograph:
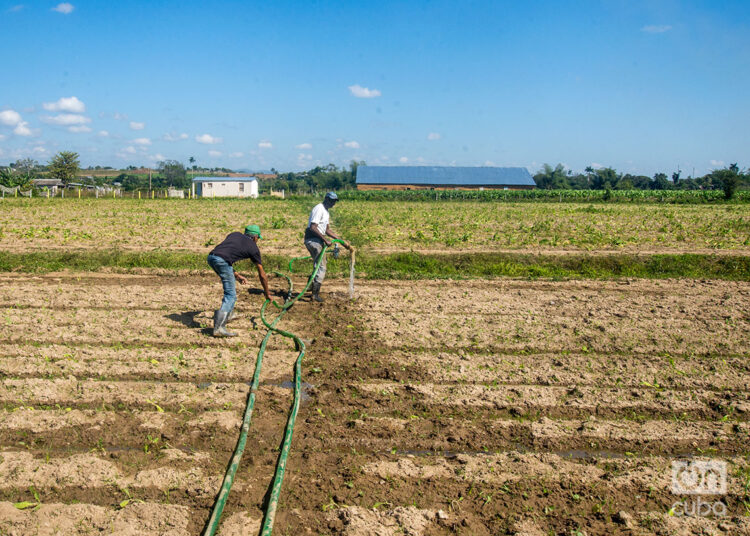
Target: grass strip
(413, 265)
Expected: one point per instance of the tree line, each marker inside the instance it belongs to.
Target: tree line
(727, 179)
(65, 166)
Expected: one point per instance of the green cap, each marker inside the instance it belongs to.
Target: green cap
(253, 229)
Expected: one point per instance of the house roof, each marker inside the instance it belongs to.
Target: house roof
(224, 179)
(445, 175)
(46, 182)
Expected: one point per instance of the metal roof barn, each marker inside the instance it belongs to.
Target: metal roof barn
(420, 177)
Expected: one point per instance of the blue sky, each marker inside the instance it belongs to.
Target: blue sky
(642, 86)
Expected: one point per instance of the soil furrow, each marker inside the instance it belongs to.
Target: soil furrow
(136, 518)
(556, 401)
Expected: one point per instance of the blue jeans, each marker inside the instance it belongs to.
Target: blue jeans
(226, 273)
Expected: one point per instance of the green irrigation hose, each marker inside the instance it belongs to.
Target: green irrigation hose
(270, 514)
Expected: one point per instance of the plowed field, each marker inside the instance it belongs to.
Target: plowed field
(472, 407)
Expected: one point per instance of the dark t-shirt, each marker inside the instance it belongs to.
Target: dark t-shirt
(237, 246)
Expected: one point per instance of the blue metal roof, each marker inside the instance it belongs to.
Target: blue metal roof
(224, 179)
(445, 175)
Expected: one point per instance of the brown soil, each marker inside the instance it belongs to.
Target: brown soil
(503, 407)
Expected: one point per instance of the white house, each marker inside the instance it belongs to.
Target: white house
(225, 187)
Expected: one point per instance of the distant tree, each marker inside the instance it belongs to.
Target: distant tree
(625, 183)
(26, 165)
(174, 173)
(676, 178)
(550, 178)
(660, 182)
(728, 179)
(604, 178)
(64, 166)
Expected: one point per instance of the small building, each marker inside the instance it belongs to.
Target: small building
(225, 187)
(49, 184)
(443, 178)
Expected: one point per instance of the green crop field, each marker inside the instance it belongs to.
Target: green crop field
(471, 226)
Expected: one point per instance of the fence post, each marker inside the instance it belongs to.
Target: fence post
(79, 193)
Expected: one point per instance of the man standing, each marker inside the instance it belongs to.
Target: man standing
(316, 234)
(235, 247)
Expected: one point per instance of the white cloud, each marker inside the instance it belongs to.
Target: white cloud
(66, 119)
(2, 137)
(64, 8)
(656, 28)
(65, 104)
(79, 128)
(214, 153)
(302, 157)
(39, 150)
(129, 149)
(303, 146)
(16, 8)
(352, 144)
(10, 118)
(489, 163)
(22, 129)
(403, 160)
(103, 134)
(363, 92)
(717, 163)
(174, 137)
(142, 141)
(120, 117)
(135, 125)
(433, 136)
(596, 165)
(208, 139)
(158, 156)
(236, 155)
(265, 145)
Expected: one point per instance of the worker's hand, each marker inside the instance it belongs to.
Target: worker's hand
(347, 245)
(268, 296)
(327, 243)
(240, 279)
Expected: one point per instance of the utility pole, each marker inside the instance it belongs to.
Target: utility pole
(149, 179)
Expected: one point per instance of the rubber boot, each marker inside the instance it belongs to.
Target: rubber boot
(316, 293)
(220, 324)
(232, 316)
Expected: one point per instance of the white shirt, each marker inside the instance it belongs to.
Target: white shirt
(320, 216)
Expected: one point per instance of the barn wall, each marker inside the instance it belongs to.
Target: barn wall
(427, 187)
(228, 189)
